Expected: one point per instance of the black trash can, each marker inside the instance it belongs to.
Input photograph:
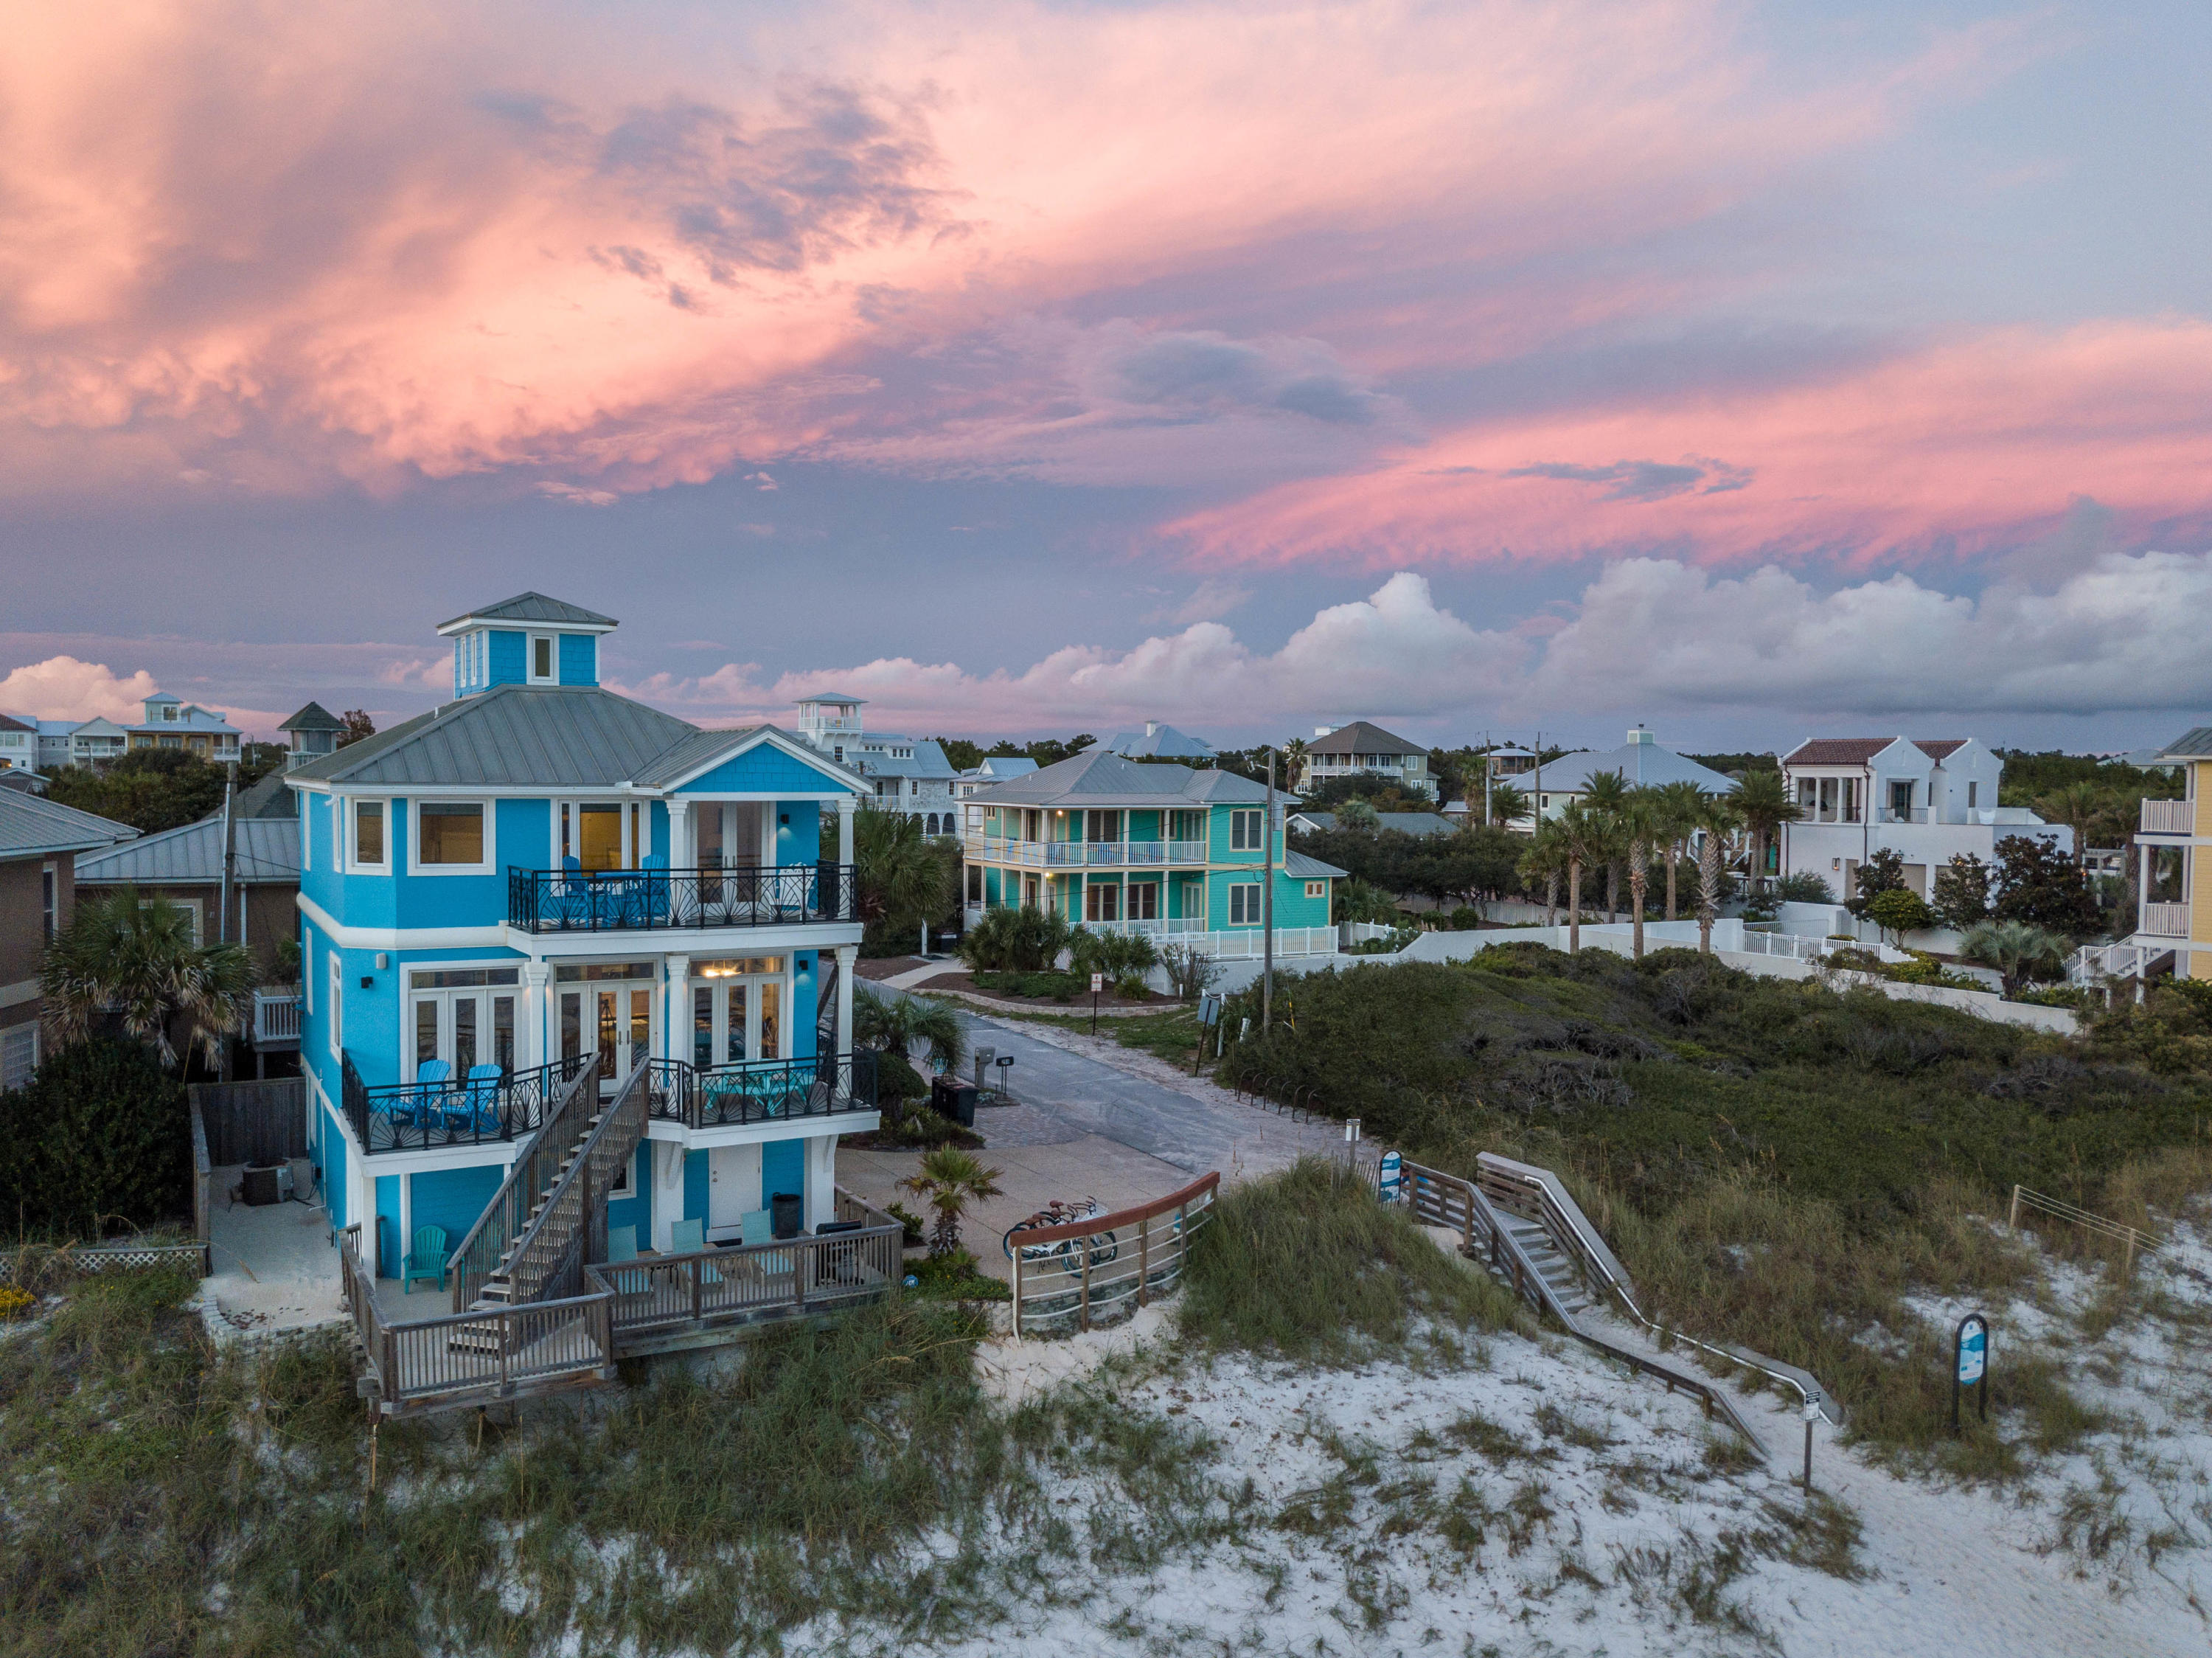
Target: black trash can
(959, 1103)
(786, 1214)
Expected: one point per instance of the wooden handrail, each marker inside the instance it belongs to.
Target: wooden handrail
(1121, 1217)
(471, 1261)
(2135, 1238)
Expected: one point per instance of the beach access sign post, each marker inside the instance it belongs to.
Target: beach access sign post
(1098, 984)
(1970, 1366)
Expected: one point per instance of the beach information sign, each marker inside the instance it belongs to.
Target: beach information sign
(1969, 1353)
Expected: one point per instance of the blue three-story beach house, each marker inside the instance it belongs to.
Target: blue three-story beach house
(543, 906)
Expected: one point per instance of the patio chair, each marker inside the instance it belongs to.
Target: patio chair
(571, 894)
(689, 1238)
(656, 889)
(426, 1260)
(622, 1245)
(479, 1100)
(433, 1077)
(757, 1226)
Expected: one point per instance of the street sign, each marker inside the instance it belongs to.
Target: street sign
(1209, 1007)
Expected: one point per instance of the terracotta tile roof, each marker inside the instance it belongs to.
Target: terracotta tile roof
(1837, 751)
(1939, 749)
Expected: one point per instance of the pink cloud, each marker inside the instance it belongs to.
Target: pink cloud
(63, 688)
(270, 250)
(1959, 446)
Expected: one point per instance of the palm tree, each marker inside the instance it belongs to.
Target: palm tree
(1545, 860)
(904, 879)
(1680, 806)
(1294, 756)
(1359, 817)
(1604, 796)
(1641, 824)
(2078, 805)
(949, 1180)
(1721, 819)
(2017, 949)
(1508, 805)
(1763, 798)
(1583, 840)
(894, 1024)
(135, 957)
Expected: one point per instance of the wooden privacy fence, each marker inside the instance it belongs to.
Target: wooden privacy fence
(1067, 1278)
(253, 1122)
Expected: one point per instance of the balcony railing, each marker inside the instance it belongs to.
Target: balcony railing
(1905, 815)
(1086, 854)
(650, 900)
(2168, 817)
(2165, 920)
(427, 1116)
(276, 1018)
(762, 1091)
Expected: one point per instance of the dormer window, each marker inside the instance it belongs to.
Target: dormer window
(169, 710)
(542, 670)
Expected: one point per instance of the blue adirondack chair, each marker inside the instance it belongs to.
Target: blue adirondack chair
(426, 1260)
(475, 1105)
(689, 1238)
(433, 1077)
(757, 1226)
(622, 1245)
(653, 888)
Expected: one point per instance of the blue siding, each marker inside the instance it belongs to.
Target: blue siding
(764, 768)
(580, 659)
(454, 1198)
(508, 661)
(783, 1168)
(391, 1241)
(798, 831)
(636, 1210)
(695, 1185)
(804, 1004)
(334, 1176)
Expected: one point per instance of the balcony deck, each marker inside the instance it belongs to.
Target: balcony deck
(2168, 817)
(674, 900)
(1086, 854)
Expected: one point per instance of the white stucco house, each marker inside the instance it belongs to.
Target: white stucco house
(1929, 799)
(911, 775)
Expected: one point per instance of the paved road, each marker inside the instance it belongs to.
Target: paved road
(1072, 1086)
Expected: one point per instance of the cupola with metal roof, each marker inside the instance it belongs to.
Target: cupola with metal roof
(530, 639)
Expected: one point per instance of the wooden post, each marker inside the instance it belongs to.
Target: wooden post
(1144, 1257)
(1086, 1284)
(697, 1277)
(1017, 1290)
(797, 1277)
(2012, 1221)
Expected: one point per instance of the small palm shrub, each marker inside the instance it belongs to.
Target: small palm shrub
(948, 1181)
(1124, 958)
(1024, 940)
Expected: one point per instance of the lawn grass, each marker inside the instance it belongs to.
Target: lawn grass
(1777, 1164)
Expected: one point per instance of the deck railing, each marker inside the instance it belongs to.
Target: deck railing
(2168, 817)
(546, 1261)
(275, 1017)
(504, 1217)
(1086, 854)
(650, 900)
(425, 1116)
(749, 1281)
(1067, 1278)
(2165, 920)
(762, 1091)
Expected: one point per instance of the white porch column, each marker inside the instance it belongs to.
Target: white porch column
(666, 1172)
(537, 1019)
(847, 805)
(680, 855)
(847, 954)
(679, 977)
(821, 1179)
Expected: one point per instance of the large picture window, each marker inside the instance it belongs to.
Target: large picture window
(451, 832)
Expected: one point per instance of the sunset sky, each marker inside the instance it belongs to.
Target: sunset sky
(1746, 369)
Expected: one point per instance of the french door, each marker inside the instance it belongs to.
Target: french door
(738, 1012)
(464, 1017)
(612, 1022)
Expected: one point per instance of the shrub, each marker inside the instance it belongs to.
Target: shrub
(1900, 910)
(1124, 958)
(1024, 940)
(1190, 969)
(1060, 987)
(1801, 886)
(99, 1139)
(897, 1079)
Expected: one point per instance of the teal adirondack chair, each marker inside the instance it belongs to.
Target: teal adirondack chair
(689, 1238)
(426, 1260)
(757, 1226)
(622, 1245)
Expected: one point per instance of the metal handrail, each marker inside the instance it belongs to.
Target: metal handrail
(486, 1241)
(634, 900)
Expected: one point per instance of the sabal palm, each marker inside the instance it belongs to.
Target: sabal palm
(135, 957)
(1679, 806)
(1583, 840)
(1722, 820)
(1545, 860)
(2017, 949)
(1507, 803)
(896, 1023)
(948, 1181)
(1604, 796)
(1643, 825)
(2078, 805)
(1763, 799)
(902, 879)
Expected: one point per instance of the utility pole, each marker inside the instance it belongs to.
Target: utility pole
(1486, 759)
(227, 886)
(1268, 906)
(1536, 795)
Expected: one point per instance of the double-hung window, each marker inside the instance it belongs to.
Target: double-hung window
(1245, 904)
(1244, 835)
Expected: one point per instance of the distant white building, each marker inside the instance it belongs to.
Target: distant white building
(1928, 798)
(995, 769)
(19, 745)
(911, 775)
(1640, 762)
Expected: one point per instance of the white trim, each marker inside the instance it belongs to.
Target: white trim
(570, 946)
(351, 806)
(488, 865)
(742, 1134)
(507, 624)
(407, 938)
(13, 995)
(805, 753)
(530, 643)
(335, 1013)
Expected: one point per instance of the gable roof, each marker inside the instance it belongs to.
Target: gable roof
(2194, 744)
(30, 823)
(1638, 763)
(271, 797)
(927, 761)
(1857, 751)
(1362, 737)
(704, 750)
(8, 724)
(314, 717)
(511, 736)
(1298, 867)
(528, 608)
(1002, 766)
(1097, 779)
(268, 852)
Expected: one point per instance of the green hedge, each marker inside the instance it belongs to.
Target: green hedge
(99, 1140)
(1057, 987)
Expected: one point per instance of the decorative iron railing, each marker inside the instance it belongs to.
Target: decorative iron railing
(652, 900)
(425, 1116)
(762, 1091)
